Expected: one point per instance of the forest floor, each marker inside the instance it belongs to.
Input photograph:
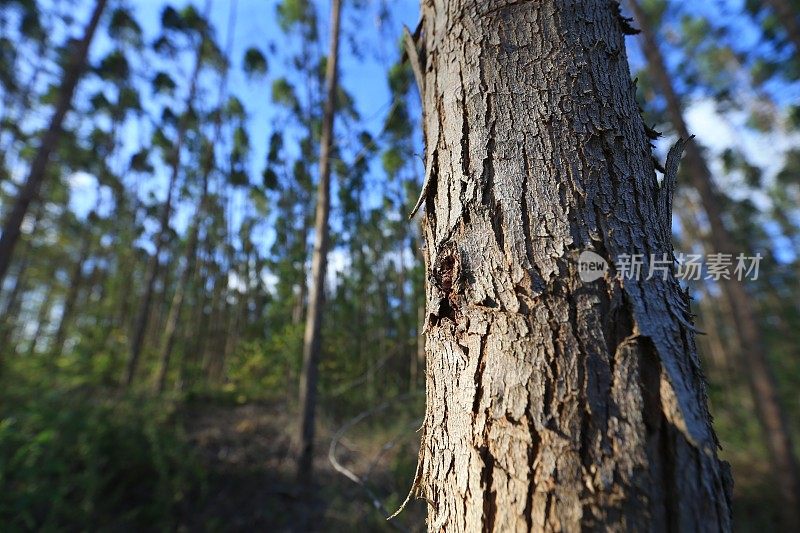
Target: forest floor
(247, 453)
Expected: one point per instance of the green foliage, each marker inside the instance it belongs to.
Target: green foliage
(268, 367)
(235, 108)
(392, 161)
(398, 124)
(292, 12)
(400, 78)
(123, 27)
(255, 63)
(139, 161)
(70, 460)
(283, 93)
(163, 83)
(114, 67)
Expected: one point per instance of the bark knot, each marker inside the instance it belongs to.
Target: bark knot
(447, 276)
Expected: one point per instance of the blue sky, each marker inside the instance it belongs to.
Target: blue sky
(256, 26)
(365, 79)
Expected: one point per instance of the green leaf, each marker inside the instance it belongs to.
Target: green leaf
(139, 161)
(400, 77)
(163, 84)
(235, 108)
(129, 99)
(283, 93)
(241, 141)
(124, 27)
(275, 145)
(270, 179)
(171, 19)
(292, 12)
(114, 67)
(392, 161)
(255, 64)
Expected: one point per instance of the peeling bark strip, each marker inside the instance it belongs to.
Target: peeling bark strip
(553, 404)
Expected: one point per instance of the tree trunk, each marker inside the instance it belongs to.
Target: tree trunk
(43, 315)
(193, 340)
(190, 259)
(75, 283)
(176, 306)
(319, 262)
(30, 190)
(214, 341)
(153, 263)
(552, 403)
(710, 307)
(761, 380)
(11, 310)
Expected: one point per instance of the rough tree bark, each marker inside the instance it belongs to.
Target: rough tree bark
(553, 404)
(752, 348)
(30, 190)
(319, 260)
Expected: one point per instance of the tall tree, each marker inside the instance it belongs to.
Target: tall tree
(319, 261)
(752, 347)
(196, 30)
(33, 183)
(553, 403)
(75, 283)
(207, 166)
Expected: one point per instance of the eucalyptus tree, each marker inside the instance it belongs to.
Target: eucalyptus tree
(319, 259)
(255, 64)
(26, 53)
(206, 155)
(29, 192)
(183, 31)
(114, 71)
(554, 403)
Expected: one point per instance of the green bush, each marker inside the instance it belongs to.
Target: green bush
(67, 461)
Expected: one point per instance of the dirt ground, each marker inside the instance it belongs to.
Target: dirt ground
(247, 453)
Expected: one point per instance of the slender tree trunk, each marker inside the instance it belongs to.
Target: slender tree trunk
(171, 327)
(319, 262)
(43, 317)
(13, 304)
(552, 403)
(753, 350)
(30, 190)
(710, 307)
(193, 342)
(11, 308)
(140, 326)
(214, 341)
(235, 315)
(788, 17)
(75, 283)
(717, 350)
(190, 258)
